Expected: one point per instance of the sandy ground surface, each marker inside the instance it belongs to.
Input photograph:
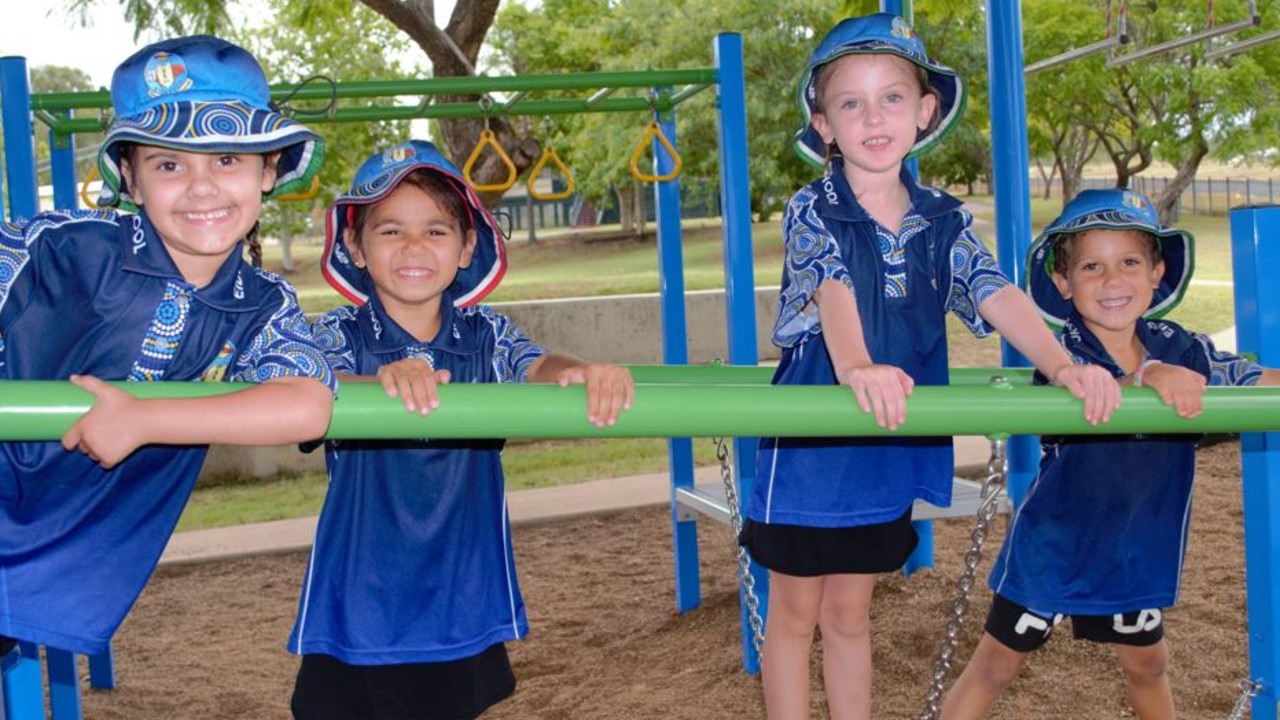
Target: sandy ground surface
(206, 641)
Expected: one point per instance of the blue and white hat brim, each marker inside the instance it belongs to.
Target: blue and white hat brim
(215, 127)
(202, 94)
(1098, 210)
(873, 34)
(377, 178)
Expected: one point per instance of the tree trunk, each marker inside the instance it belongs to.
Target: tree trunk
(1167, 201)
(626, 209)
(642, 210)
(453, 52)
(286, 254)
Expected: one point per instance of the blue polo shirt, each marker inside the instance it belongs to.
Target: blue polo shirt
(905, 284)
(412, 560)
(96, 292)
(1103, 528)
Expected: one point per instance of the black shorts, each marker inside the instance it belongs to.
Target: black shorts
(1024, 630)
(329, 689)
(805, 551)
(7, 644)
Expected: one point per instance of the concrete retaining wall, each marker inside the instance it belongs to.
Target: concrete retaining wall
(625, 329)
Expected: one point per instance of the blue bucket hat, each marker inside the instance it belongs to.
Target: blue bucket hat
(1113, 209)
(201, 94)
(878, 33)
(377, 178)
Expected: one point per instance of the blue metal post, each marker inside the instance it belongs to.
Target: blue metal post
(23, 689)
(62, 163)
(675, 351)
(1255, 250)
(922, 556)
(739, 276)
(19, 142)
(1010, 160)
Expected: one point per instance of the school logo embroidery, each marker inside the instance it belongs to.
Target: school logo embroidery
(217, 369)
(1134, 201)
(166, 73)
(139, 237)
(902, 30)
(397, 155)
(238, 291)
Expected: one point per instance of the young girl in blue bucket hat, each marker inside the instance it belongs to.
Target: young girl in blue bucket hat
(873, 264)
(411, 591)
(1102, 532)
(151, 287)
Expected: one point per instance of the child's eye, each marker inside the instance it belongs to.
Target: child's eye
(228, 160)
(850, 104)
(166, 166)
(893, 98)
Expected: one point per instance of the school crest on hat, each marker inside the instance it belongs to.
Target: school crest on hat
(877, 33)
(1111, 209)
(201, 94)
(377, 178)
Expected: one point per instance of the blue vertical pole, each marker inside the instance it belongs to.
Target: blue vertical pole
(675, 351)
(1010, 160)
(19, 145)
(62, 163)
(23, 689)
(1255, 250)
(739, 277)
(922, 556)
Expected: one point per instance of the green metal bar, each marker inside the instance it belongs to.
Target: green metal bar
(43, 410)
(762, 375)
(412, 112)
(471, 85)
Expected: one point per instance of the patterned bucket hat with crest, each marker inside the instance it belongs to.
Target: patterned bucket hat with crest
(1111, 209)
(201, 94)
(375, 180)
(877, 33)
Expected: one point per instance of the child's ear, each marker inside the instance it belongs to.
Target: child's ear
(270, 163)
(468, 249)
(820, 123)
(1157, 272)
(1064, 286)
(928, 106)
(353, 246)
(126, 179)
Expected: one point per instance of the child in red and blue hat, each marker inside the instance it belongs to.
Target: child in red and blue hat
(159, 293)
(874, 262)
(1102, 532)
(411, 591)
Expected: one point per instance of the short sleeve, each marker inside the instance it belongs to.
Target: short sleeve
(812, 257)
(284, 347)
(1228, 369)
(513, 351)
(334, 342)
(14, 253)
(975, 277)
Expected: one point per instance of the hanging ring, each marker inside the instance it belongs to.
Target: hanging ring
(654, 131)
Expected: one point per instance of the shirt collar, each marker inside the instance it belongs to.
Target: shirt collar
(838, 201)
(383, 335)
(1158, 338)
(144, 252)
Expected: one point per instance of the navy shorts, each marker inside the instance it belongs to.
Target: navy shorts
(805, 551)
(1024, 630)
(329, 689)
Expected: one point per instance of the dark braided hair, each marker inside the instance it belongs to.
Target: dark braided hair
(255, 245)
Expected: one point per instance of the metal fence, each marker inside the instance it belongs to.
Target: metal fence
(1204, 196)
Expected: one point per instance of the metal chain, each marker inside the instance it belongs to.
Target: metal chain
(745, 577)
(1249, 689)
(997, 470)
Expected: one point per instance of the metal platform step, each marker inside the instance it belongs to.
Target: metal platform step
(708, 499)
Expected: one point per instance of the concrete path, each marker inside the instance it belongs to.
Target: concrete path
(526, 507)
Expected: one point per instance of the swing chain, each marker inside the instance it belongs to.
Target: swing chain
(1249, 689)
(989, 500)
(745, 577)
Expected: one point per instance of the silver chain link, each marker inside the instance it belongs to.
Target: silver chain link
(745, 578)
(1249, 689)
(997, 470)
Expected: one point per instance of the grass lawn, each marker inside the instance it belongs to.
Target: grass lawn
(566, 265)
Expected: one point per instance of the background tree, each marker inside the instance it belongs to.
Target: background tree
(453, 50)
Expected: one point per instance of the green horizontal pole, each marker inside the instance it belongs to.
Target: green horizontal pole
(43, 410)
(716, 374)
(462, 85)
(71, 126)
